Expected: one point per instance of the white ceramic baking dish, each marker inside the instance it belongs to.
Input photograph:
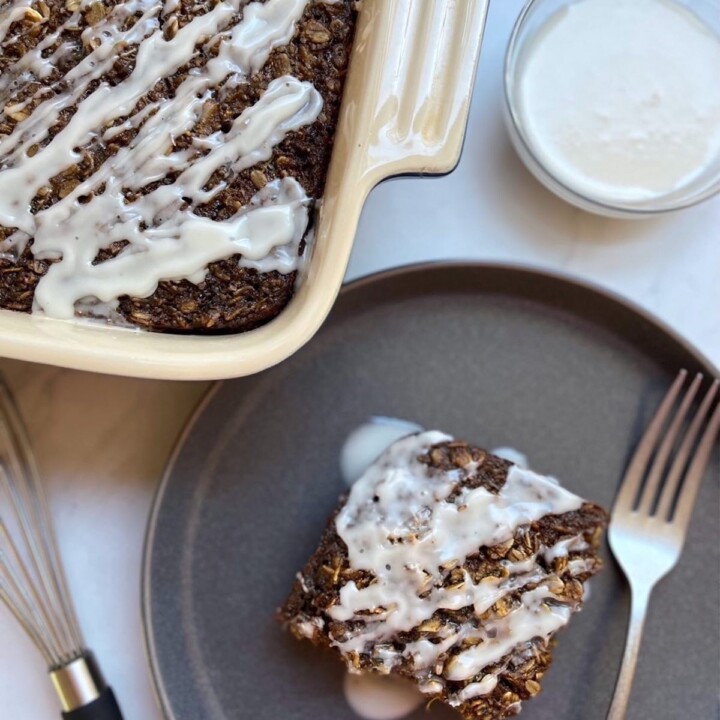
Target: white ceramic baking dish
(404, 111)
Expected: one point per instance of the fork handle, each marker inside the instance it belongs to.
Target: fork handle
(623, 684)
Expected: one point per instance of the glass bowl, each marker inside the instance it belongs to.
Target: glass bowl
(532, 18)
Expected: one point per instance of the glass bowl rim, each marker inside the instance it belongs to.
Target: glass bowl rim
(613, 209)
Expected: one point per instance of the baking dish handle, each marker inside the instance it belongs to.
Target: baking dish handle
(411, 81)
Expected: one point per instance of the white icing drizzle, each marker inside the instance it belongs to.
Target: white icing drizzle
(401, 524)
(472, 690)
(374, 697)
(13, 14)
(264, 27)
(512, 455)
(562, 548)
(580, 566)
(413, 530)
(106, 35)
(308, 628)
(534, 618)
(156, 58)
(167, 239)
(33, 63)
(368, 441)
(174, 250)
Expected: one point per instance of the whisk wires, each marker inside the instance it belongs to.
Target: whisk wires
(32, 581)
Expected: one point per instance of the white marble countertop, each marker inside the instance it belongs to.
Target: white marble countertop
(102, 441)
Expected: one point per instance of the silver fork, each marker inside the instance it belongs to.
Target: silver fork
(652, 511)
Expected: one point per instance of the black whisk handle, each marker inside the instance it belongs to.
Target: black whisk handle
(83, 692)
(105, 707)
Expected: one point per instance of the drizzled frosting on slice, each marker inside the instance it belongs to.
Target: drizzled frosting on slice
(533, 618)
(407, 524)
(400, 524)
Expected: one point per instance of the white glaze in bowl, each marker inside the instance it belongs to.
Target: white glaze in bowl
(598, 92)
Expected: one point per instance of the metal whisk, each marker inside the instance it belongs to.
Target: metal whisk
(32, 581)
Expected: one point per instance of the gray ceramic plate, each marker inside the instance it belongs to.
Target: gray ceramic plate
(496, 355)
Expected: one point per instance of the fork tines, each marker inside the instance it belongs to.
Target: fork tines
(679, 442)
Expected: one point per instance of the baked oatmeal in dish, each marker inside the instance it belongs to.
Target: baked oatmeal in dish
(160, 159)
(450, 567)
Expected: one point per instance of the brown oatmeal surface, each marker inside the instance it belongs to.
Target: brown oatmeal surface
(231, 298)
(319, 583)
